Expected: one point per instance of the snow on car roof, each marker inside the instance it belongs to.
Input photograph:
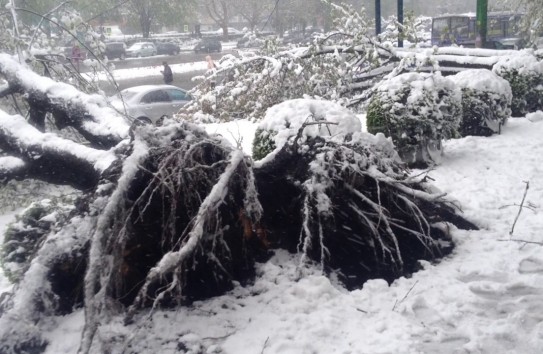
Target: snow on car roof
(133, 92)
(142, 88)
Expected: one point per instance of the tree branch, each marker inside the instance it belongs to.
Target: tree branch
(90, 115)
(48, 157)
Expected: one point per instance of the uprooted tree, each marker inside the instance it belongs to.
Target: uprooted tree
(168, 215)
(171, 214)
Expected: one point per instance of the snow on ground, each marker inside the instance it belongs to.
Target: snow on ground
(486, 297)
(148, 71)
(154, 70)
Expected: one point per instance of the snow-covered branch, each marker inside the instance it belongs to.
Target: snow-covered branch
(48, 157)
(89, 114)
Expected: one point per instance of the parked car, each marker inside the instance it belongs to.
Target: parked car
(208, 45)
(149, 103)
(231, 31)
(115, 50)
(167, 48)
(141, 49)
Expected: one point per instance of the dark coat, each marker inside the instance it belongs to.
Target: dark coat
(167, 73)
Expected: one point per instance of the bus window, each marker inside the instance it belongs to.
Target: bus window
(495, 28)
(472, 28)
(460, 29)
(512, 26)
(440, 31)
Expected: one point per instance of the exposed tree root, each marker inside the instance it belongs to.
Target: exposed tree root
(354, 209)
(172, 232)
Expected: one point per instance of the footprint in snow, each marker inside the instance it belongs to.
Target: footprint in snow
(530, 265)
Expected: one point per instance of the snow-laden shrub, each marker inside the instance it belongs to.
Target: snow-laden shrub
(24, 236)
(524, 72)
(486, 101)
(417, 111)
(263, 143)
(304, 117)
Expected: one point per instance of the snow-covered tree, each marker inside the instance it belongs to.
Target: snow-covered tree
(414, 30)
(255, 12)
(532, 19)
(35, 43)
(149, 14)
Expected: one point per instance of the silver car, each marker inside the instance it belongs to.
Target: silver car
(149, 103)
(141, 49)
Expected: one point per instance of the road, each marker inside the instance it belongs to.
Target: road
(182, 80)
(183, 57)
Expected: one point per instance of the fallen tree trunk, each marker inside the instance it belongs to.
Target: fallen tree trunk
(48, 157)
(89, 114)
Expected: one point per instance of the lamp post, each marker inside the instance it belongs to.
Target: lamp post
(377, 17)
(482, 12)
(400, 21)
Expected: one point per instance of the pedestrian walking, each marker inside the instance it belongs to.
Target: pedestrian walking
(167, 73)
(76, 56)
(210, 63)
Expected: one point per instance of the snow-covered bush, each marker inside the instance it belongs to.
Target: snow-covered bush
(263, 143)
(24, 236)
(304, 117)
(486, 101)
(417, 111)
(524, 72)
